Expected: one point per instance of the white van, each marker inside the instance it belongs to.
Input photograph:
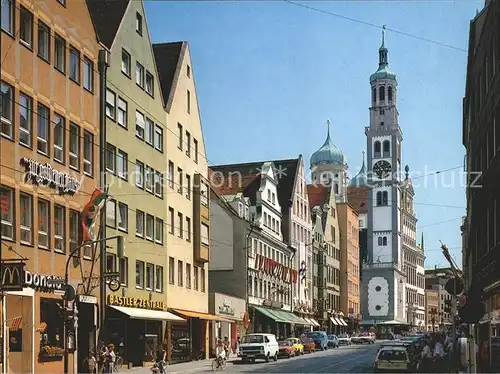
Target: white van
(255, 346)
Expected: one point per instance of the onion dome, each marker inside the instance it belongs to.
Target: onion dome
(329, 153)
(361, 179)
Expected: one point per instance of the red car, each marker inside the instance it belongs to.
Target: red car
(308, 344)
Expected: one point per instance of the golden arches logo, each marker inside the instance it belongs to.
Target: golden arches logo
(11, 277)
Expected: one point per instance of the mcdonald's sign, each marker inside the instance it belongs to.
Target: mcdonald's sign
(12, 276)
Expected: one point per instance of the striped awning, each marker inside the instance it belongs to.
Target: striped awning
(334, 321)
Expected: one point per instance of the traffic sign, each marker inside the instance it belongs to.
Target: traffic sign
(454, 286)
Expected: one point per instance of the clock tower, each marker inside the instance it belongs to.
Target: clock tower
(383, 291)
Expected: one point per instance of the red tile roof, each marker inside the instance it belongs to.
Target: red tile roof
(229, 184)
(317, 194)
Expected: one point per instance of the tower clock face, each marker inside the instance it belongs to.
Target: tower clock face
(382, 169)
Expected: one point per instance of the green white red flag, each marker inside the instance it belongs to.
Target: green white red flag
(89, 213)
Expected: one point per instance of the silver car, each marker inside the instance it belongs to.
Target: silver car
(344, 339)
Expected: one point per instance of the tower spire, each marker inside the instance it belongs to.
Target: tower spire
(382, 52)
(328, 127)
(422, 243)
(363, 165)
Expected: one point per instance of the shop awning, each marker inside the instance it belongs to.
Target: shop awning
(157, 315)
(334, 321)
(205, 316)
(313, 322)
(340, 321)
(273, 314)
(296, 320)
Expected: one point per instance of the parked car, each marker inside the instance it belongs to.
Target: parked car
(333, 341)
(344, 339)
(299, 347)
(363, 338)
(393, 359)
(286, 349)
(255, 346)
(309, 345)
(320, 339)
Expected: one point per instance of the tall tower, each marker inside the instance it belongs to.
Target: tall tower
(383, 297)
(329, 165)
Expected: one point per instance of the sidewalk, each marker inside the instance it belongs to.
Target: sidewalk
(182, 368)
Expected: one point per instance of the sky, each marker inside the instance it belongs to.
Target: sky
(269, 74)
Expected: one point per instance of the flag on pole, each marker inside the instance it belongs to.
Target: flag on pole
(89, 214)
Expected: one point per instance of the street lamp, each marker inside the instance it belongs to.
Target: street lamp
(70, 294)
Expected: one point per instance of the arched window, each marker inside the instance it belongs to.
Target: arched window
(387, 148)
(374, 95)
(385, 198)
(379, 198)
(379, 240)
(336, 188)
(381, 94)
(389, 94)
(384, 240)
(376, 147)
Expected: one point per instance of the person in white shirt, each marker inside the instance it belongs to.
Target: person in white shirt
(220, 352)
(111, 358)
(426, 357)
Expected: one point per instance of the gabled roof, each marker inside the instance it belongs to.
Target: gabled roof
(317, 194)
(169, 58)
(107, 16)
(286, 171)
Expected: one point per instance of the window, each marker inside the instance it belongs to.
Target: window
(171, 220)
(139, 174)
(188, 229)
(43, 129)
(88, 153)
(188, 186)
(7, 212)
(138, 23)
(50, 316)
(159, 138)
(74, 146)
(188, 71)
(171, 174)
(149, 179)
(188, 101)
(26, 214)
(150, 88)
(139, 74)
(179, 135)
(59, 228)
(195, 143)
(110, 104)
(110, 158)
(150, 276)
(149, 131)
(88, 74)
(180, 179)
(159, 231)
(26, 26)
(126, 63)
(205, 234)
(188, 144)
(74, 230)
(122, 164)
(180, 223)
(60, 54)
(386, 148)
(122, 112)
(111, 213)
(59, 138)
(171, 270)
(385, 200)
(25, 119)
(139, 223)
(43, 223)
(158, 184)
(139, 125)
(123, 269)
(122, 216)
(150, 227)
(389, 93)
(7, 108)
(195, 274)
(74, 65)
(159, 278)
(8, 16)
(204, 194)
(202, 278)
(188, 275)
(139, 274)
(377, 149)
(180, 273)
(110, 263)
(381, 94)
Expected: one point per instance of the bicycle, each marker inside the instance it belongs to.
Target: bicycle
(118, 363)
(219, 363)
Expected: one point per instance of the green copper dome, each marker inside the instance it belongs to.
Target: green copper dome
(361, 179)
(329, 153)
(383, 71)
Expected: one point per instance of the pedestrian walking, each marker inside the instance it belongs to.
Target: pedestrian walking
(425, 358)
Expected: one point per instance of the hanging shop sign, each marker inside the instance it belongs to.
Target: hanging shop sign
(12, 276)
(45, 174)
(134, 302)
(43, 283)
(275, 269)
(226, 308)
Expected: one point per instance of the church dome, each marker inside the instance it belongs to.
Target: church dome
(329, 153)
(361, 179)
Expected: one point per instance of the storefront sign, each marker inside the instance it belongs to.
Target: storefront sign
(12, 276)
(134, 302)
(43, 283)
(226, 308)
(45, 174)
(272, 304)
(275, 269)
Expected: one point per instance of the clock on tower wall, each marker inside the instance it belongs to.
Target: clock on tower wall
(382, 169)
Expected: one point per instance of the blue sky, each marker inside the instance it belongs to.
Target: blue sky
(269, 75)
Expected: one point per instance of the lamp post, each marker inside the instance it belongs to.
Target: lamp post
(67, 293)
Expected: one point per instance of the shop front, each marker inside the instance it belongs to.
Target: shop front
(135, 327)
(276, 321)
(233, 310)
